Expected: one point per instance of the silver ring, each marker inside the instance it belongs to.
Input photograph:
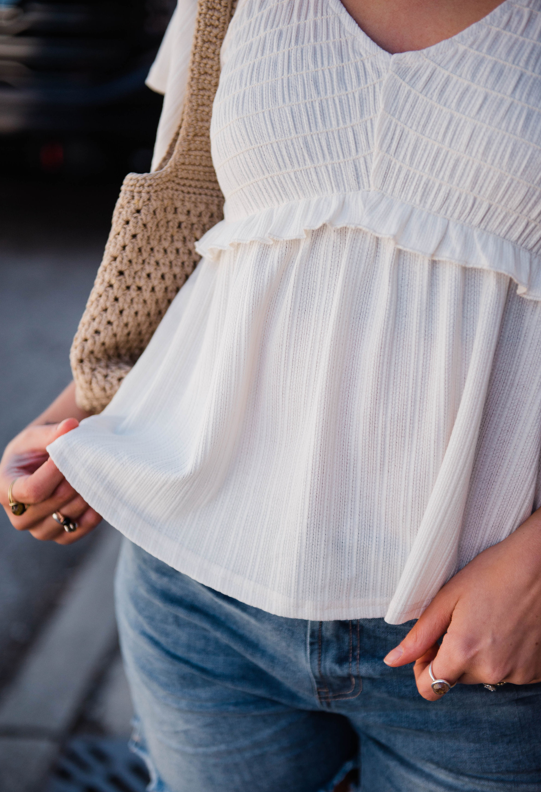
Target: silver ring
(68, 525)
(439, 686)
(493, 688)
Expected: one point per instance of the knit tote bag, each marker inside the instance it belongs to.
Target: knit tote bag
(157, 220)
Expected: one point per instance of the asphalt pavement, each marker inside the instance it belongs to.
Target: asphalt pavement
(51, 241)
(60, 672)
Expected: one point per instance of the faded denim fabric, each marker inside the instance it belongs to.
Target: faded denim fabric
(230, 698)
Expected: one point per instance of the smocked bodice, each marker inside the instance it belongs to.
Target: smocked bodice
(309, 107)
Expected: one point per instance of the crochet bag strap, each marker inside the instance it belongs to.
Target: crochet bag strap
(157, 220)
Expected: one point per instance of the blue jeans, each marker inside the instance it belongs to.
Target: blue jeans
(232, 699)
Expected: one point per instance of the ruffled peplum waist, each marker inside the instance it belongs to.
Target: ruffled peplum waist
(409, 227)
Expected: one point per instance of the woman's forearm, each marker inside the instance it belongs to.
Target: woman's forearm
(64, 406)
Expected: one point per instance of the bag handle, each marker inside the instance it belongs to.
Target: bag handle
(189, 154)
(157, 220)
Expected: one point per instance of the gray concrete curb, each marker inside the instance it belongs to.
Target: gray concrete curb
(38, 709)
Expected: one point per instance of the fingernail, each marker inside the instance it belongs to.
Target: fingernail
(394, 655)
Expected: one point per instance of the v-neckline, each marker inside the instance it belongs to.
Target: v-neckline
(374, 48)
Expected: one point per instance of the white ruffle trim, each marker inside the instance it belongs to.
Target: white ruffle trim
(410, 228)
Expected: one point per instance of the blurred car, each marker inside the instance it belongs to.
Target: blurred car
(72, 93)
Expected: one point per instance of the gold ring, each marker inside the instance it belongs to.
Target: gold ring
(16, 507)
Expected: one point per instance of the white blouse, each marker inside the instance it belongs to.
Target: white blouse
(342, 406)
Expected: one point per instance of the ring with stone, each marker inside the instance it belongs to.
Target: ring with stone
(68, 525)
(439, 686)
(16, 507)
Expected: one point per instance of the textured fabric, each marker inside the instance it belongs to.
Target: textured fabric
(343, 405)
(231, 698)
(157, 220)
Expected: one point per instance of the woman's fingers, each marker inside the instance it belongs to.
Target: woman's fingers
(89, 520)
(34, 514)
(420, 645)
(26, 465)
(420, 670)
(465, 658)
(490, 613)
(47, 528)
(28, 450)
(78, 511)
(443, 668)
(426, 630)
(38, 486)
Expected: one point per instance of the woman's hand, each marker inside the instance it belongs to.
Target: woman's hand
(490, 613)
(42, 487)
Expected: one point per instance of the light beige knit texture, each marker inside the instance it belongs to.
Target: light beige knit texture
(157, 220)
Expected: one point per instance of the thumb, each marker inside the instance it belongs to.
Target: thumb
(38, 436)
(425, 632)
(65, 426)
(45, 435)
(34, 474)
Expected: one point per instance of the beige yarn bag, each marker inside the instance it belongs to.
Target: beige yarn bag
(157, 220)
